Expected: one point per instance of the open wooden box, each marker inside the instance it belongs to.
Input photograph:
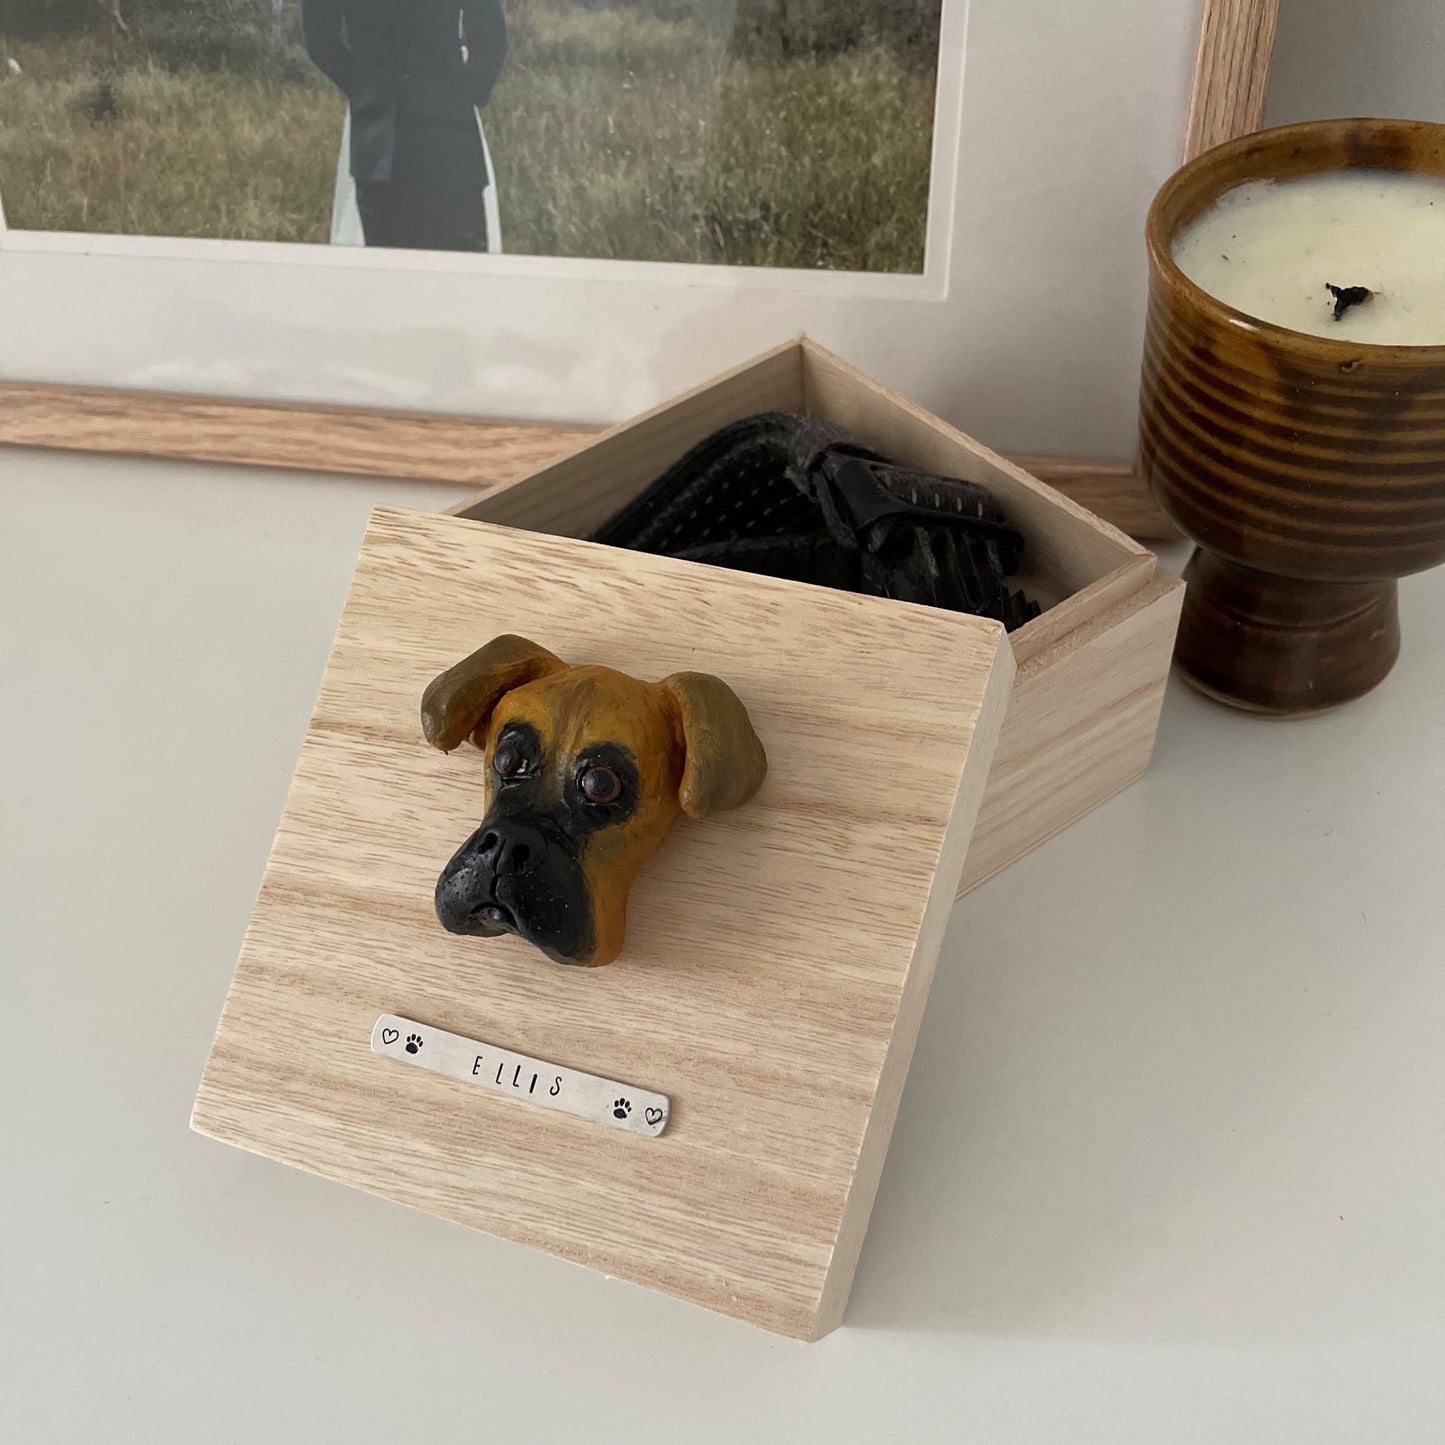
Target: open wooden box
(1091, 668)
(775, 972)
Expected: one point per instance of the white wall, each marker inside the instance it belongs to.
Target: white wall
(1358, 57)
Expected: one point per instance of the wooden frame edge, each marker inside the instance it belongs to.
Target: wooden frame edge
(352, 441)
(410, 446)
(1231, 72)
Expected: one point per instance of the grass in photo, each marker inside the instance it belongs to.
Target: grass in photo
(792, 133)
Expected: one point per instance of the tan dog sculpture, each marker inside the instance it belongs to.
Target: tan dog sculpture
(587, 771)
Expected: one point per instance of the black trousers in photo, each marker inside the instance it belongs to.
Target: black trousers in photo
(434, 200)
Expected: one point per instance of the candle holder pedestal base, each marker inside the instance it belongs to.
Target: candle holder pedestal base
(1283, 646)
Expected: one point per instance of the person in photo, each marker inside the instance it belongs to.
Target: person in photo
(416, 75)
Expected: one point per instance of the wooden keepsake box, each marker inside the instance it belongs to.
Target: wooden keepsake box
(1091, 668)
(778, 956)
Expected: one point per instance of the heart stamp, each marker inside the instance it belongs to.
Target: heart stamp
(653, 1116)
(390, 1036)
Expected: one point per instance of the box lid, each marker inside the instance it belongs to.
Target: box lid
(778, 957)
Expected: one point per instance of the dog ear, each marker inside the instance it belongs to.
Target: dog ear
(463, 697)
(725, 763)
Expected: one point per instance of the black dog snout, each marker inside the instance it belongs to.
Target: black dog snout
(518, 875)
(509, 849)
(504, 856)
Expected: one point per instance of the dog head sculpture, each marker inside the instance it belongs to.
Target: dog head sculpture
(587, 769)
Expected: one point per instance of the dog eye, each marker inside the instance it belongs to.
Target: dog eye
(509, 760)
(600, 785)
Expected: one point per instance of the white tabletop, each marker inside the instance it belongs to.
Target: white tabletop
(1170, 1165)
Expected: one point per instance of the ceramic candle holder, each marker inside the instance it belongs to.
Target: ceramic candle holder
(1309, 471)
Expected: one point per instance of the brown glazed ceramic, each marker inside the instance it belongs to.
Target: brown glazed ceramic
(1310, 471)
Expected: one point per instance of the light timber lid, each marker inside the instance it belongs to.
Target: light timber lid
(778, 957)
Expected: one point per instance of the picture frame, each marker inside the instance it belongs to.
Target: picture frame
(190, 350)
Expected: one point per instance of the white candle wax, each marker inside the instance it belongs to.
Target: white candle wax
(1269, 249)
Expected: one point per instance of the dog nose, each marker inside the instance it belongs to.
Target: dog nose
(510, 849)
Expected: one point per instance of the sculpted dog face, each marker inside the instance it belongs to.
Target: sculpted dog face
(587, 769)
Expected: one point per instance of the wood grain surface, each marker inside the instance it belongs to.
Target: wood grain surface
(1231, 72)
(1092, 666)
(1110, 490)
(419, 446)
(416, 446)
(778, 957)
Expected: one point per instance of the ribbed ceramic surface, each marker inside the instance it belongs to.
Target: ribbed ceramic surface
(1298, 455)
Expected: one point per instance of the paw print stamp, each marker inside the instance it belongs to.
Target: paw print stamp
(413, 1043)
(621, 1108)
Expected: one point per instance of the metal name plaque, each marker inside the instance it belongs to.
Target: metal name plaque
(534, 1081)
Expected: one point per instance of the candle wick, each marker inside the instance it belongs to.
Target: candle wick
(1347, 296)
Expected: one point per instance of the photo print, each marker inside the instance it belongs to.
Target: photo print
(754, 133)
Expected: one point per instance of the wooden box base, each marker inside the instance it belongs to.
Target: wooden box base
(775, 973)
(1091, 669)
